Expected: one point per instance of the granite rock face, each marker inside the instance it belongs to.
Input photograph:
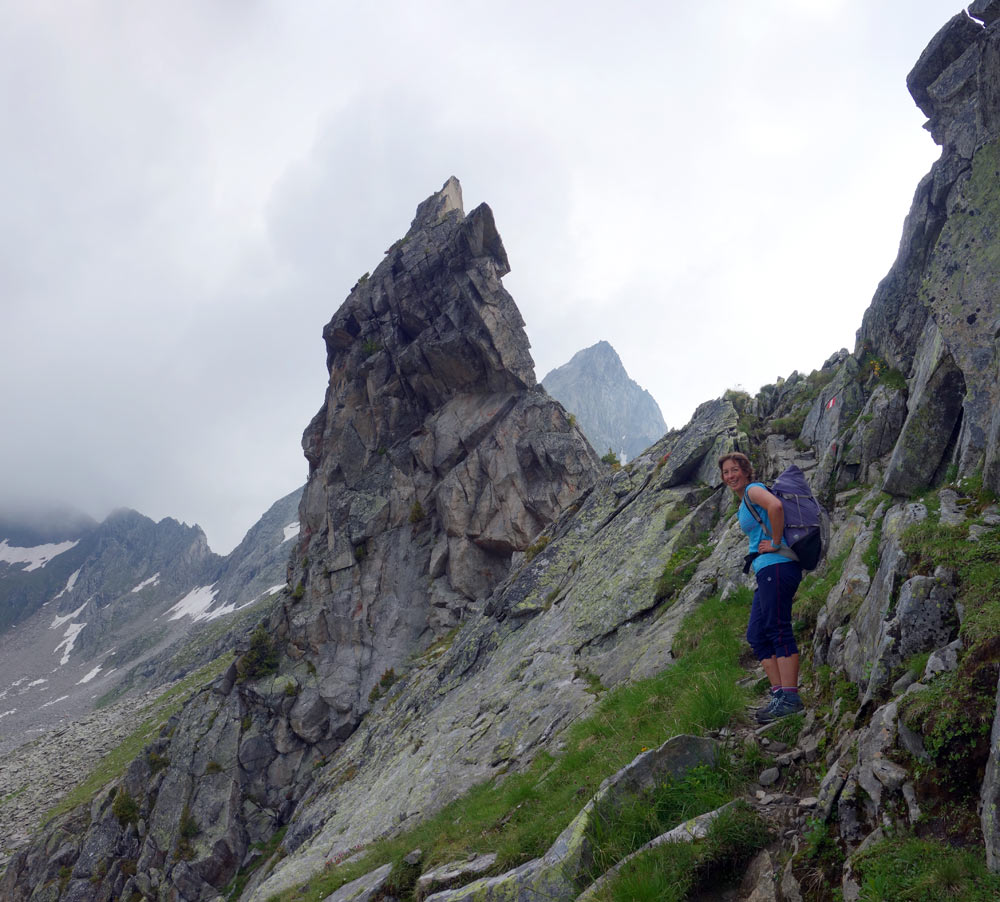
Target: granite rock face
(615, 413)
(934, 316)
(435, 457)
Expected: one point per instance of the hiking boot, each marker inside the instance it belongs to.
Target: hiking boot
(773, 695)
(782, 706)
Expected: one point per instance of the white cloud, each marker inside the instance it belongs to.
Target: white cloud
(191, 190)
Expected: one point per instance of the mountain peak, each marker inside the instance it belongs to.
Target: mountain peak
(614, 412)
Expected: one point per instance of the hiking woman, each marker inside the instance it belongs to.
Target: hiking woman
(770, 629)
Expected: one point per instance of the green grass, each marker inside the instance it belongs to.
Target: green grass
(113, 764)
(813, 591)
(520, 815)
(673, 871)
(915, 870)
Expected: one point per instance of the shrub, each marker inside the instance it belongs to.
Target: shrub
(416, 512)
(125, 808)
(260, 659)
(612, 459)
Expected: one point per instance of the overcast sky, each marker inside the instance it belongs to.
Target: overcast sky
(190, 189)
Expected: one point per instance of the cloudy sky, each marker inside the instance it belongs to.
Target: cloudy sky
(191, 188)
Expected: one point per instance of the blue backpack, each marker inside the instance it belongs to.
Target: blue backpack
(807, 526)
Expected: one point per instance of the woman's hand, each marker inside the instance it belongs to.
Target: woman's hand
(766, 545)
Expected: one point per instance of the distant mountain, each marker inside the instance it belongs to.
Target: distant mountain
(90, 609)
(613, 410)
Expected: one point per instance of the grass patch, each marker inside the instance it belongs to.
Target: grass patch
(113, 764)
(679, 569)
(910, 868)
(812, 594)
(520, 815)
(674, 871)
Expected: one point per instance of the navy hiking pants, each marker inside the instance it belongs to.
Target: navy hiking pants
(770, 629)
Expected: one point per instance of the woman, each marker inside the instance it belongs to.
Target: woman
(770, 629)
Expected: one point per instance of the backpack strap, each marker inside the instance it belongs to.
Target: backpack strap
(750, 507)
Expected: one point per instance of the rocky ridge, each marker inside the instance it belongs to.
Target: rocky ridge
(615, 413)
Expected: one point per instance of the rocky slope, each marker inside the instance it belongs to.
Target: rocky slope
(100, 609)
(614, 411)
(432, 640)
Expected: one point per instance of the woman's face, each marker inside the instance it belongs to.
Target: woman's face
(733, 476)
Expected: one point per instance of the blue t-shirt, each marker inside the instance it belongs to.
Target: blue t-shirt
(756, 532)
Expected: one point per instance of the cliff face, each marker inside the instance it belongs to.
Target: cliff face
(614, 411)
(934, 315)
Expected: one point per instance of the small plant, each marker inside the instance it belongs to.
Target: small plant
(594, 685)
(571, 419)
(537, 548)
(612, 459)
(300, 590)
(292, 689)
(260, 659)
(157, 762)
(416, 512)
(125, 808)
(360, 552)
(213, 767)
(189, 827)
(369, 346)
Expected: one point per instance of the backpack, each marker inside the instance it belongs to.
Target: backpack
(807, 526)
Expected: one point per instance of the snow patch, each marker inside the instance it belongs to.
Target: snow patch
(291, 531)
(37, 682)
(90, 675)
(59, 621)
(232, 608)
(69, 639)
(68, 587)
(5, 713)
(36, 557)
(196, 602)
(54, 701)
(152, 581)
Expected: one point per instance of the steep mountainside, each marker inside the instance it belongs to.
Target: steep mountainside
(103, 608)
(615, 413)
(466, 583)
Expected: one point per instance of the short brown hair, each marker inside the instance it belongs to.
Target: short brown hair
(741, 460)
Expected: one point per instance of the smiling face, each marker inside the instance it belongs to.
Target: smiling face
(734, 476)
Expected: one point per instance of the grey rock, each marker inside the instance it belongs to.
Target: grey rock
(758, 881)
(614, 412)
(912, 808)
(945, 47)
(865, 633)
(989, 794)
(912, 742)
(951, 513)
(987, 11)
(455, 872)
(364, 888)
(924, 619)
(791, 891)
(769, 777)
(944, 660)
